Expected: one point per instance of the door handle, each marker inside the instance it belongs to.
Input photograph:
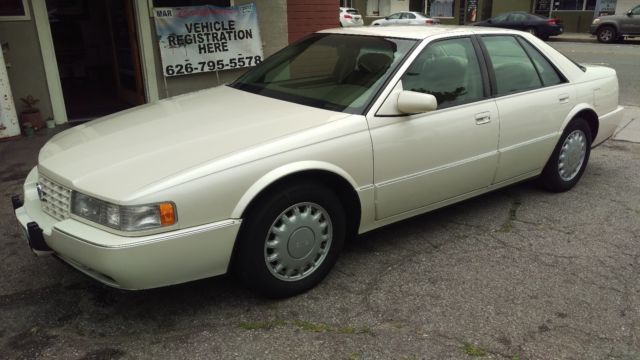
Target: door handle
(563, 98)
(483, 118)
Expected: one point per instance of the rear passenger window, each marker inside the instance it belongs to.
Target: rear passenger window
(448, 70)
(547, 72)
(513, 68)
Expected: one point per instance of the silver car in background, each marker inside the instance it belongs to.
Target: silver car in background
(406, 18)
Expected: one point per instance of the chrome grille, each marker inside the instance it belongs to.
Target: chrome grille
(55, 199)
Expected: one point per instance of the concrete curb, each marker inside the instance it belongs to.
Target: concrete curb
(578, 39)
(629, 129)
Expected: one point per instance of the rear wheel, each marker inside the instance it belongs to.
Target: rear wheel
(569, 159)
(290, 240)
(606, 34)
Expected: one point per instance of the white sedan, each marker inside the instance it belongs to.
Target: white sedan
(406, 18)
(350, 17)
(341, 133)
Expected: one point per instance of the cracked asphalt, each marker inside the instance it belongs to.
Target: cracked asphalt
(515, 274)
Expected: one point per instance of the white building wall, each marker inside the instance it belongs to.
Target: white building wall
(398, 5)
(622, 6)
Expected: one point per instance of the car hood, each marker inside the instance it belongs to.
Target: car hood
(115, 156)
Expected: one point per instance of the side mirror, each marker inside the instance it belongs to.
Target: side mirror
(490, 21)
(630, 12)
(411, 102)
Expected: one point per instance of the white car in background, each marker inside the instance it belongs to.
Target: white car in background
(406, 18)
(350, 17)
(341, 133)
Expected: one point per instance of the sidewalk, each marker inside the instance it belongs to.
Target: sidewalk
(586, 38)
(629, 129)
(574, 37)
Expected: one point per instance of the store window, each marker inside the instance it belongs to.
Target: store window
(14, 10)
(567, 5)
(181, 3)
(441, 8)
(346, 3)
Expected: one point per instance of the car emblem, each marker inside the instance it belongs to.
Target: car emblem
(40, 192)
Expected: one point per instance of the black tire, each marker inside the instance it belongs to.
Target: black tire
(554, 176)
(606, 34)
(250, 263)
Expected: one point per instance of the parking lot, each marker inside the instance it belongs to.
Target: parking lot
(519, 273)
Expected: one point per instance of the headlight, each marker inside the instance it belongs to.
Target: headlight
(124, 218)
(595, 21)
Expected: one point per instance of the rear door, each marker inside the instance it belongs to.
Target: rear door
(533, 99)
(407, 19)
(427, 158)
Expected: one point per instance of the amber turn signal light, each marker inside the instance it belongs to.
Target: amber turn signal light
(167, 214)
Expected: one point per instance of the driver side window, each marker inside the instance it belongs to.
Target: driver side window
(448, 70)
(394, 16)
(636, 10)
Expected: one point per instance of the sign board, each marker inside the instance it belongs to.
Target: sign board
(605, 7)
(9, 125)
(197, 39)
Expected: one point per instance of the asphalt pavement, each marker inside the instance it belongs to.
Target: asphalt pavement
(519, 273)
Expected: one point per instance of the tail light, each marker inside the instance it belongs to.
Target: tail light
(428, 22)
(348, 17)
(551, 21)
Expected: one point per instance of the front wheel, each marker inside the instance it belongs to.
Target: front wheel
(569, 158)
(606, 34)
(290, 240)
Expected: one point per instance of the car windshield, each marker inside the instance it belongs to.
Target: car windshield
(421, 16)
(328, 71)
(352, 11)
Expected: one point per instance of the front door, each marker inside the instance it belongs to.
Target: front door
(124, 43)
(423, 159)
(97, 55)
(630, 24)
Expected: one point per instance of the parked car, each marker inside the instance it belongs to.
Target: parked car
(406, 18)
(537, 25)
(340, 133)
(350, 17)
(615, 27)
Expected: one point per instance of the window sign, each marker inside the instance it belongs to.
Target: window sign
(472, 11)
(198, 39)
(441, 8)
(14, 10)
(605, 7)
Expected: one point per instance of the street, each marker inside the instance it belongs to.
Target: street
(518, 273)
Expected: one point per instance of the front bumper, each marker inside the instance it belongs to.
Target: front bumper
(131, 262)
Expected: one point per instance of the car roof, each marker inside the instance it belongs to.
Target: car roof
(415, 32)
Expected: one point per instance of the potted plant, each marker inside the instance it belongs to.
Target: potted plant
(27, 129)
(31, 114)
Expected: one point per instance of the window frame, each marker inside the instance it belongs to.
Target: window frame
(563, 78)
(484, 74)
(26, 15)
(491, 70)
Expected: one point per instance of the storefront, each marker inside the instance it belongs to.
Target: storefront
(88, 58)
